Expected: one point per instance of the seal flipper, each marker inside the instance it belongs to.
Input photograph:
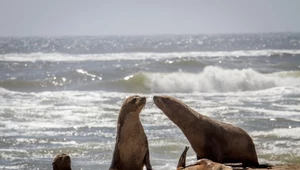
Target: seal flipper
(147, 160)
(265, 166)
(181, 161)
(257, 166)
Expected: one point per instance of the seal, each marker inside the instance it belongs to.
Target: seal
(202, 164)
(62, 162)
(131, 149)
(210, 139)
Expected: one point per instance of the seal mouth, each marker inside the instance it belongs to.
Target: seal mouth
(140, 103)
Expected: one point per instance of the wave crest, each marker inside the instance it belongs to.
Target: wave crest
(211, 79)
(215, 79)
(60, 57)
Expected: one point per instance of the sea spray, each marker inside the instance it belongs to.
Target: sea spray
(216, 79)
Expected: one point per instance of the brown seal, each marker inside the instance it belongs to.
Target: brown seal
(62, 162)
(131, 149)
(202, 164)
(210, 139)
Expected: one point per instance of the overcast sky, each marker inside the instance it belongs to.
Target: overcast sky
(132, 17)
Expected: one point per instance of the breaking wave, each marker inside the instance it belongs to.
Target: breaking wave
(214, 79)
(56, 57)
(211, 79)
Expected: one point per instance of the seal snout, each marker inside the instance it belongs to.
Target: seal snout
(158, 101)
(155, 98)
(142, 100)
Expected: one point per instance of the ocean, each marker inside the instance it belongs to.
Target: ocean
(63, 94)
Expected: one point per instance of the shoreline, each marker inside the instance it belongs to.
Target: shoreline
(281, 167)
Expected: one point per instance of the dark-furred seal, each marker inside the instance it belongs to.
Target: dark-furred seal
(62, 162)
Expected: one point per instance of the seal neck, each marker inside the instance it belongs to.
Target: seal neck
(186, 118)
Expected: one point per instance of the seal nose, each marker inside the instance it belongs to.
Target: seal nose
(143, 99)
(156, 99)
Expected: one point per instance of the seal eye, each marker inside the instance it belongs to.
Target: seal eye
(133, 100)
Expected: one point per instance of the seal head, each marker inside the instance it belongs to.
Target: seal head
(62, 162)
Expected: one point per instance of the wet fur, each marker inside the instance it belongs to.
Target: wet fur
(131, 149)
(62, 162)
(210, 139)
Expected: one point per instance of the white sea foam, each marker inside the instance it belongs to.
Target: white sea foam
(290, 132)
(84, 122)
(13, 167)
(215, 79)
(56, 57)
(83, 72)
(278, 113)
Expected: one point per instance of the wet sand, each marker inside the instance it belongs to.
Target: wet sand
(282, 167)
(275, 167)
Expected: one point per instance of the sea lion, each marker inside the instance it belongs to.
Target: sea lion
(210, 139)
(62, 162)
(202, 164)
(131, 149)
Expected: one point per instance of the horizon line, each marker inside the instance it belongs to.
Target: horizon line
(159, 34)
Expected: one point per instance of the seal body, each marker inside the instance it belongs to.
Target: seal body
(131, 149)
(210, 139)
(202, 164)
